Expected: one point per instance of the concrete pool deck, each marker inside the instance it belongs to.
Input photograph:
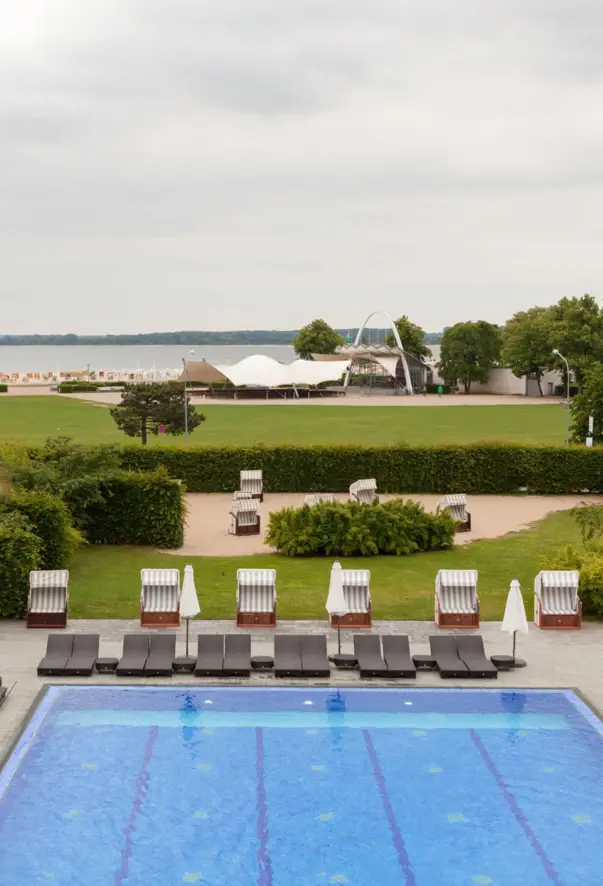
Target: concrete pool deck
(556, 660)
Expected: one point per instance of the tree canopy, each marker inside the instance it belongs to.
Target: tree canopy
(146, 407)
(411, 336)
(588, 402)
(577, 332)
(528, 345)
(468, 352)
(316, 338)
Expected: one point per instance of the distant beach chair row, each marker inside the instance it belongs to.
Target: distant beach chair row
(556, 600)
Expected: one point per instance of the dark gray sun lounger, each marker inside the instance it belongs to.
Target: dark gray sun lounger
(135, 654)
(162, 651)
(315, 661)
(287, 656)
(396, 652)
(471, 651)
(367, 650)
(84, 655)
(445, 652)
(237, 655)
(59, 648)
(210, 655)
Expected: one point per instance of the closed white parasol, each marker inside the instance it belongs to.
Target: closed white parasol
(189, 602)
(336, 604)
(515, 619)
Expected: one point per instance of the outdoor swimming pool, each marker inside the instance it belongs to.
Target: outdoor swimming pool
(154, 786)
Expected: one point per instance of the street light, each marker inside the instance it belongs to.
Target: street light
(191, 352)
(558, 353)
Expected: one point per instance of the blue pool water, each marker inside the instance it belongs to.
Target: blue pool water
(304, 787)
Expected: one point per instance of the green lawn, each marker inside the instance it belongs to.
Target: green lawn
(32, 419)
(105, 581)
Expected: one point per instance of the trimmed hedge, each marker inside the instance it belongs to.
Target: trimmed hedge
(349, 529)
(49, 519)
(483, 468)
(3, 389)
(138, 509)
(19, 554)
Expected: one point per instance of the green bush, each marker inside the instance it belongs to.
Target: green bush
(482, 468)
(19, 554)
(48, 518)
(78, 387)
(589, 563)
(349, 529)
(137, 509)
(3, 389)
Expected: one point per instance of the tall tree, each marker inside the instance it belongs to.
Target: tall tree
(589, 402)
(316, 338)
(411, 336)
(528, 345)
(468, 352)
(577, 331)
(144, 408)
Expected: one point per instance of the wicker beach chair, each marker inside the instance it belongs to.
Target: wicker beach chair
(48, 601)
(456, 505)
(318, 497)
(364, 491)
(256, 597)
(160, 598)
(456, 600)
(557, 605)
(245, 517)
(251, 481)
(357, 594)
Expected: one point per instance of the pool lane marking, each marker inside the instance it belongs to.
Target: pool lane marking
(264, 863)
(397, 838)
(142, 785)
(515, 808)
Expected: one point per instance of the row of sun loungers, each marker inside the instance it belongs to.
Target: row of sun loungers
(229, 655)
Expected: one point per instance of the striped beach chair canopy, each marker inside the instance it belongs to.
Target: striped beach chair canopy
(558, 591)
(457, 505)
(456, 590)
(256, 590)
(239, 496)
(244, 512)
(315, 499)
(364, 490)
(251, 481)
(48, 590)
(160, 590)
(356, 589)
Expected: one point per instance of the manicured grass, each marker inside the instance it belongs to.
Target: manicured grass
(105, 581)
(33, 419)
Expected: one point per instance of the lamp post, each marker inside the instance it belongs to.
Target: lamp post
(191, 352)
(558, 353)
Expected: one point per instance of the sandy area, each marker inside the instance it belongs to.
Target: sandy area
(491, 515)
(348, 400)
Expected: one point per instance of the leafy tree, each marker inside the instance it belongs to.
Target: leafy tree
(145, 407)
(412, 338)
(468, 352)
(577, 331)
(316, 338)
(589, 402)
(528, 345)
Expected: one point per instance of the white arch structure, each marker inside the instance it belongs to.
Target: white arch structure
(394, 328)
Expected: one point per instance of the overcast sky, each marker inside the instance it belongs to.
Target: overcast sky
(215, 164)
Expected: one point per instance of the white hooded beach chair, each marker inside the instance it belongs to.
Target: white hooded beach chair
(364, 491)
(256, 597)
(456, 505)
(357, 594)
(48, 601)
(318, 497)
(251, 481)
(240, 496)
(456, 600)
(556, 601)
(160, 598)
(245, 517)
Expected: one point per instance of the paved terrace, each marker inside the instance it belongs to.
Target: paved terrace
(556, 659)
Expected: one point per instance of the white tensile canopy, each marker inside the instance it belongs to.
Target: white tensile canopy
(264, 372)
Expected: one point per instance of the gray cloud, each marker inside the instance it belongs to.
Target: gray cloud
(267, 162)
